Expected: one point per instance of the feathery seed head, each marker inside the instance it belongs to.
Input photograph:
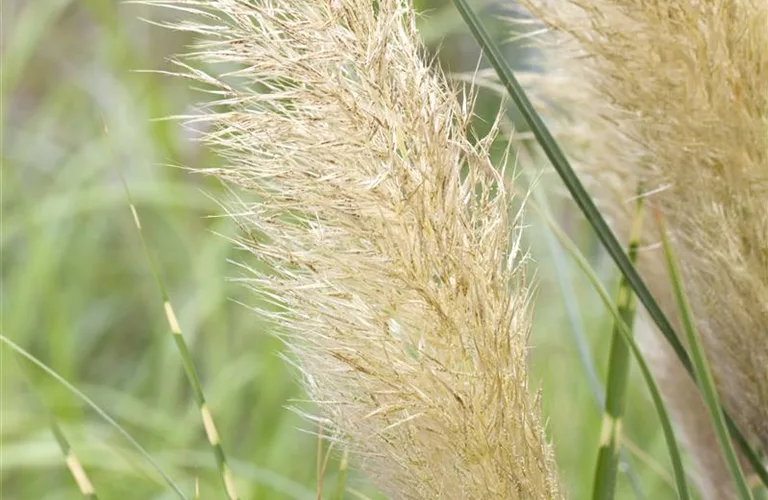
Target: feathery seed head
(387, 238)
(673, 96)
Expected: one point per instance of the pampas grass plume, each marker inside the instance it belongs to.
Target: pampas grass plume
(386, 233)
(673, 96)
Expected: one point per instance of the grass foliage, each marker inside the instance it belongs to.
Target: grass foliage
(81, 308)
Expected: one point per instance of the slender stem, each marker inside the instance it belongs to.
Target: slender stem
(341, 478)
(96, 408)
(186, 359)
(702, 370)
(74, 465)
(626, 334)
(618, 373)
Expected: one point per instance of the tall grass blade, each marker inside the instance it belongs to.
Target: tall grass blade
(74, 465)
(618, 374)
(573, 314)
(626, 334)
(341, 478)
(577, 331)
(186, 360)
(588, 207)
(701, 369)
(96, 408)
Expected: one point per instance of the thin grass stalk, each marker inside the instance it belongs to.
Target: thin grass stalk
(701, 369)
(341, 477)
(578, 334)
(74, 465)
(569, 299)
(322, 460)
(96, 408)
(592, 214)
(76, 469)
(186, 360)
(626, 334)
(618, 374)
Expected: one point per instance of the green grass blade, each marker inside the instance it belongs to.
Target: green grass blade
(702, 370)
(74, 465)
(587, 206)
(618, 373)
(341, 478)
(577, 331)
(96, 408)
(186, 360)
(626, 334)
(564, 283)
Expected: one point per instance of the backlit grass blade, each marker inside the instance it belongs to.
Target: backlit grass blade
(701, 369)
(618, 373)
(587, 206)
(626, 334)
(96, 408)
(186, 360)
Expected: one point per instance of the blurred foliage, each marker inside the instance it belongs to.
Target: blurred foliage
(78, 293)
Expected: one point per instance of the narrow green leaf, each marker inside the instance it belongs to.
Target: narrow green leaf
(84, 483)
(577, 330)
(618, 373)
(588, 207)
(74, 465)
(341, 478)
(88, 401)
(186, 360)
(702, 371)
(626, 334)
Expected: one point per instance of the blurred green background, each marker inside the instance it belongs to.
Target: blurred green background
(78, 292)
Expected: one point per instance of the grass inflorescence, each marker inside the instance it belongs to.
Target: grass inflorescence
(374, 212)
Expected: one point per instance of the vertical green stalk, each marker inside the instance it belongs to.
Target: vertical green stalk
(577, 330)
(702, 371)
(618, 373)
(341, 478)
(645, 371)
(589, 209)
(186, 360)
